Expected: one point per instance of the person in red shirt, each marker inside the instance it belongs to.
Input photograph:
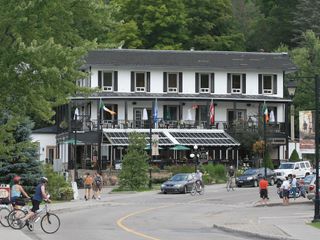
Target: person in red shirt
(263, 187)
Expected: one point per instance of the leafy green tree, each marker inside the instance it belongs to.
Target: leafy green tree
(134, 173)
(294, 156)
(268, 161)
(18, 156)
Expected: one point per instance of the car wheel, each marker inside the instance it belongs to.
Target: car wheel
(255, 183)
(271, 182)
(185, 189)
(164, 192)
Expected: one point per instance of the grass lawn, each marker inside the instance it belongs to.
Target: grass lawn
(316, 225)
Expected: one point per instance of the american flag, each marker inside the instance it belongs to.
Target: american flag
(211, 112)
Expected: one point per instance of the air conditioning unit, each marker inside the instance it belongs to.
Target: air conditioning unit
(236, 90)
(172, 89)
(140, 89)
(204, 90)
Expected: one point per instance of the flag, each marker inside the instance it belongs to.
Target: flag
(101, 106)
(76, 114)
(265, 112)
(211, 112)
(155, 111)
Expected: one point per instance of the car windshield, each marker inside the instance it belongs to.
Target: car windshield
(180, 177)
(286, 166)
(250, 172)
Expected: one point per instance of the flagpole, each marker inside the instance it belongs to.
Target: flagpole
(265, 140)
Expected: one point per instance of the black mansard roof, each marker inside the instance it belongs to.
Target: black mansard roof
(156, 59)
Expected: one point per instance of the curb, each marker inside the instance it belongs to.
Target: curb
(280, 204)
(251, 234)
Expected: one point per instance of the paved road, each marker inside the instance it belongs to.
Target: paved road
(181, 216)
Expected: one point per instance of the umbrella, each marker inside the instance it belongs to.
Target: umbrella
(179, 148)
(145, 114)
(72, 141)
(271, 119)
(189, 116)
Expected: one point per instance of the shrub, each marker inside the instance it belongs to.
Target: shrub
(180, 169)
(294, 156)
(66, 193)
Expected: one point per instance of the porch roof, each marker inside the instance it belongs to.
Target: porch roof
(170, 137)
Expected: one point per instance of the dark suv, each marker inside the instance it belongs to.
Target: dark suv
(252, 176)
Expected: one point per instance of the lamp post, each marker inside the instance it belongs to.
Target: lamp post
(317, 135)
(265, 145)
(292, 85)
(195, 156)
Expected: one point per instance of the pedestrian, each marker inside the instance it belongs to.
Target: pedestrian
(87, 186)
(97, 183)
(294, 186)
(263, 190)
(285, 187)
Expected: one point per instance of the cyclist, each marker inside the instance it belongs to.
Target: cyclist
(198, 178)
(39, 195)
(17, 192)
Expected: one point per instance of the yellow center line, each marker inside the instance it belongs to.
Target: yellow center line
(140, 234)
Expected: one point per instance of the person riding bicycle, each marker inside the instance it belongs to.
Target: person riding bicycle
(198, 178)
(231, 172)
(39, 195)
(231, 177)
(17, 192)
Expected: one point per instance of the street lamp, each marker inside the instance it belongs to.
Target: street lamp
(291, 86)
(317, 135)
(195, 156)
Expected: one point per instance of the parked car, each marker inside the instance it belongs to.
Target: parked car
(311, 187)
(307, 181)
(179, 183)
(300, 169)
(252, 176)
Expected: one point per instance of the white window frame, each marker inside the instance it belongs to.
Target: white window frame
(236, 90)
(204, 90)
(267, 91)
(173, 89)
(107, 88)
(140, 89)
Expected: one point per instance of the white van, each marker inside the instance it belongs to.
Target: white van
(300, 169)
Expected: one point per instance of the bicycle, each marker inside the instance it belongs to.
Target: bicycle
(231, 183)
(197, 188)
(5, 209)
(50, 222)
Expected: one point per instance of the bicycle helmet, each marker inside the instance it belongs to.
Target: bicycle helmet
(43, 180)
(16, 179)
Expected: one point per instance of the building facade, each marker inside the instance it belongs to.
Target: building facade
(181, 97)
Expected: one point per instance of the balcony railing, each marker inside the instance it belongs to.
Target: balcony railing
(84, 123)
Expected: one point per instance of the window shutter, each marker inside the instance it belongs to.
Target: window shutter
(148, 81)
(180, 82)
(275, 89)
(260, 83)
(115, 83)
(165, 112)
(100, 79)
(132, 82)
(212, 83)
(244, 80)
(197, 83)
(229, 83)
(165, 76)
(115, 108)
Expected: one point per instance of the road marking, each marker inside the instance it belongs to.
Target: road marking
(140, 234)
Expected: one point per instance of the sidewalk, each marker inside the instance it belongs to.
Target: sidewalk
(257, 221)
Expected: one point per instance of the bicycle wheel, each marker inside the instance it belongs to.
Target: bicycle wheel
(14, 219)
(201, 191)
(193, 190)
(50, 223)
(228, 186)
(4, 212)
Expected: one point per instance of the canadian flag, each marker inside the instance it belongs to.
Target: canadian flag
(211, 113)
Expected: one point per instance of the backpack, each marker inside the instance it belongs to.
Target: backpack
(97, 180)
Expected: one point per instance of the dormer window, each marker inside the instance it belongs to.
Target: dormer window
(173, 82)
(267, 84)
(236, 83)
(140, 82)
(107, 81)
(204, 83)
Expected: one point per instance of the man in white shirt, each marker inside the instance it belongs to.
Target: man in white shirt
(285, 191)
(294, 186)
(198, 177)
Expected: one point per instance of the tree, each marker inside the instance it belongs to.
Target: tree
(268, 161)
(134, 173)
(294, 156)
(18, 156)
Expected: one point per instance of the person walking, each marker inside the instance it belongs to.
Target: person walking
(97, 183)
(294, 186)
(88, 181)
(263, 190)
(285, 187)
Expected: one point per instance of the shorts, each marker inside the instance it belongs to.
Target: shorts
(19, 201)
(285, 193)
(87, 186)
(264, 193)
(35, 205)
